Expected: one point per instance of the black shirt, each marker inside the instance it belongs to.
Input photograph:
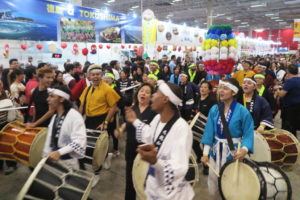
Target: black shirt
(205, 105)
(131, 143)
(39, 98)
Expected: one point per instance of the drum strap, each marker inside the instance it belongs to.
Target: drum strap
(57, 124)
(163, 134)
(84, 103)
(226, 129)
(160, 139)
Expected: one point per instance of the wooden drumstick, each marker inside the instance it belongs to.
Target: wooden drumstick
(236, 165)
(212, 169)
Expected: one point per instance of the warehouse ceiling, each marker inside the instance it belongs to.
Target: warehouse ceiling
(241, 14)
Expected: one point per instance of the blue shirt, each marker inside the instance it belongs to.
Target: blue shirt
(292, 86)
(172, 65)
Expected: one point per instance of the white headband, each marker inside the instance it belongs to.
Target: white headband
(59, 93)
(164, 88)
(230, 86)
(95, 70)
(249, 79)
(263, 66)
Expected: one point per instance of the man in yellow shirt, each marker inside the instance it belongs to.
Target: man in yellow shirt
(245, 73)
(99, 104)
(99, 101)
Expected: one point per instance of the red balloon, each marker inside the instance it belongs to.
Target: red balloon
(100, 46)
(179, 49)
(140, 51)
(159, 48)
(129, 46)
(23, 46)
(122, 46)
(39, 46)
(6, 47)
(64, 45)
(85, 51)
(108, 46)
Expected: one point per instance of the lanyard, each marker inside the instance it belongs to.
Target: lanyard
(57, 124)
(261, 91)
(192, 76)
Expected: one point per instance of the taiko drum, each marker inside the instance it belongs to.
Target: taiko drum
(277, 146)
(22, 144)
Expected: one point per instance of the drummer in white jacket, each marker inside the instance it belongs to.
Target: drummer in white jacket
(66, 139)
(168, 145)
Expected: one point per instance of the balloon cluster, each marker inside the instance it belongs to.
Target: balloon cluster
(220, 50)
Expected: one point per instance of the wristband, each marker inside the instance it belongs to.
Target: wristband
(205, 154)
(261, 127)
(105, 122)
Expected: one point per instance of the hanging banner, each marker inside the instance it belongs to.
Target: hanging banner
(57, 21)
(297, 30)
(149, 29)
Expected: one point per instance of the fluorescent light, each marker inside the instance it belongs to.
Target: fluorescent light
(110, 1)
(275, 17)
(282, 22)
(269, 14)
(244, 23)
(220, 15)
(278, 20)
(135, 6)
(237, 20)
(259, 30)
(257, 5)
(292, 2)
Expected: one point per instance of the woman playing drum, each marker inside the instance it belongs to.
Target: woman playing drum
(240, 125)
(258, 106)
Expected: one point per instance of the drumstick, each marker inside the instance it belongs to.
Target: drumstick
(212, 169)
(92, 130)
(236, 165)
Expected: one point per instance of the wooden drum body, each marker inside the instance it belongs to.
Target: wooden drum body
(97, 147)
(277, 146)
(255, 180)
(56, 180)
(22, 144)
(198, 126)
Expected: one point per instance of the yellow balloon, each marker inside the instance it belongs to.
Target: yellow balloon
(214, 43)
(224, 43)
(207, 46)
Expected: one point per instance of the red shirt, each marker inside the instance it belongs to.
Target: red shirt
(31, 84)
(78, 89)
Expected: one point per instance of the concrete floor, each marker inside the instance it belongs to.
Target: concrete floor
(112, 183)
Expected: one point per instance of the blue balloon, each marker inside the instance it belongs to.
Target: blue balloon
(206, 37)
(223, 37)
(218, 32)
(223, 32)
(213, 31)
(215, 37)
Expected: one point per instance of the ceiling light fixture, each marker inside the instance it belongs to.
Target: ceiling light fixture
(269, 14)
(244, 23)
(257, 5)
(237, 20)
(278, 20)
(292, 2)
(259, 30)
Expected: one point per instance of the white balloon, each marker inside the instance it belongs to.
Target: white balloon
(224, 56)
(224, 50)
(214, 50)
(214, 56)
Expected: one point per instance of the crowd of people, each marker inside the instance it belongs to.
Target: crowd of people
(173, 89)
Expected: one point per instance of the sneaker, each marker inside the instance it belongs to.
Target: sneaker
(107, 162)
(116, 153)
(95, 180)
(9, 170)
